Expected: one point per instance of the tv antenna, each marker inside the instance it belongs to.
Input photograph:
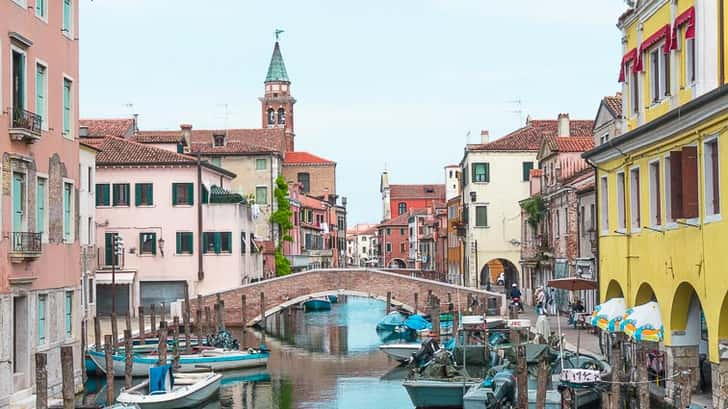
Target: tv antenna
(519, 109)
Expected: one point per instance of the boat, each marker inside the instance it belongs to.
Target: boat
(400, 351)
(482, 396)
(317, 304)
(391, 321)
(333, 299)
(169, 391)
(216, 359)
(438, 393)
(150, 345)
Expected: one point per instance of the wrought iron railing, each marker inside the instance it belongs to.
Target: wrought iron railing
(26, 242)
(27, 120)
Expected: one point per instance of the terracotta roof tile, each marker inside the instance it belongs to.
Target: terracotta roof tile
(530, 137)
(300, 158)
(117, 151)
(99, 128)
(614, 104)
(237, 141)
(571, 144)
(536, 172)
(402, 219)
(417, 192)
(158, 137)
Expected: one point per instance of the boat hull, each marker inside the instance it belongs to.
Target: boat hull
(187, 363)
(317, 305)
(186, 397)
(400, 352)
(437, 394)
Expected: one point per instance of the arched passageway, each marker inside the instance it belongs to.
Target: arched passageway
(689, 337)
(645, 294)
(614, 290)
(498, 272)
(397, 263)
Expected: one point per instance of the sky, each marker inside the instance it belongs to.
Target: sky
(380, 83)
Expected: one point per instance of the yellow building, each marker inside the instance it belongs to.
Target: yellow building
(662, 236)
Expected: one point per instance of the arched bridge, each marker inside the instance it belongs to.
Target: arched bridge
(285, 291)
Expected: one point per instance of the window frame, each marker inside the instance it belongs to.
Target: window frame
(70, 132)
(179, 241)
(710, 215)
(139, 190)
(113, 195)
(691, 66)
(42, 318)
(45, 210)
(527, 173)
(101, 197)
(655, 190)
(483, 177)
(401, 208)
(68, 313)
(621, 195)
(259, 161)
(43, 16)
(188, 194)
(142, 240)
(485, 208)
(265, 190)
(304, 179)
(634, 90)
(44, 88)
(14, 49)
(668, 219)
(68, 31)
(68, 236)
(635, 199)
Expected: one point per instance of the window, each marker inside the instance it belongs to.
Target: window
(668, 192)
(604, 203)
(18, 77)
(604, 139)
(281, 116)
(183, 194)
(388, 231)
(592, 215)
(527, 166)
(40, 202)
(67, 212)
(389, 247)
(91, 290)
(102, 194)
(219, 140)
(401, 232)
(217, 242)
(684, 183)
(402, 247)
(253, 245)
(401, 208)
(42, 308)
(184, 242)
(147, 243)
(121, 194)
(67, 17)
(582, 221)
(144, 194)
(67, 98)
(41, 89)
(19, 202)
(621, 202)
(271, 116)
(69, 313)
(481, 216)
(634, 198)
(557, 226)
(41, 9)
(261, 164)
(690, 60)
(261, 195)
(481, 172)
(243, 244)
(305, 180)
(711, 171)
(634, 89)
(655, 196)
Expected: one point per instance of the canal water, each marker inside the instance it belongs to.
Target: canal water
(321, 360)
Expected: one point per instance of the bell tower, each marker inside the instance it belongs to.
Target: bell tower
(277, 102)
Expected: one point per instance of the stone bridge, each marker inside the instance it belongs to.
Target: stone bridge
(282, 292)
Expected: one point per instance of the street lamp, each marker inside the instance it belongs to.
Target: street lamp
(117, 250)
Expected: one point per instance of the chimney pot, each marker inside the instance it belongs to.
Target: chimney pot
(186, 132)
(484, 136)
(563, 125)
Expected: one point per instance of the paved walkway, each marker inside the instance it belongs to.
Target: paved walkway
(587, 340)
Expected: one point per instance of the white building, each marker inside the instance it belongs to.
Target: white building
(87, 229)
(362, 245)
(452, 181)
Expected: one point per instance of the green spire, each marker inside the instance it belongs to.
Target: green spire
(277, 69)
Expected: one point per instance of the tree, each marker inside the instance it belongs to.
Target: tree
(282, 218)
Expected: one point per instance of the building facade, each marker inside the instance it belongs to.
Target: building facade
(362, 245)
(40, 298)
(659, 185)
(393, 239)
(399, 199)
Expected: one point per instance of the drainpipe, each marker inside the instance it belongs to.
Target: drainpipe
(200, 270)
(597, 206)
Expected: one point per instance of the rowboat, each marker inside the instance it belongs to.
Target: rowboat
(391, 321)
(438, 393)
(182, 391)
(149, 346)
(215, 359)
(317, 304)
(401, 351)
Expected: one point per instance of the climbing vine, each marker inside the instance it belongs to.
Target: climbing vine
(282, 218)
(535, 209)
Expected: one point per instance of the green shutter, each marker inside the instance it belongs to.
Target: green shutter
(178, 241)
(154, 243)
(174, 194)
(473, 171)
(217, 241)
(229, 241)
(487, 171)
(205, 241)
(138, 194)
(109, 248)
(205, 195)
(150, 193)
(527, 166)
(190, 193)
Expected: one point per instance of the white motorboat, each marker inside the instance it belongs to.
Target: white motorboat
(209, 359)
(401, 351)
(186, 391)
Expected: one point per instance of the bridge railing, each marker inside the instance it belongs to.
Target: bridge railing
(426, 274)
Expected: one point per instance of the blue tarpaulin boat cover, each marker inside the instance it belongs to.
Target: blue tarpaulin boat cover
(417, 323)
(160, 379)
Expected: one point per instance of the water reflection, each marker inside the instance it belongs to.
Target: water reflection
(327, 359)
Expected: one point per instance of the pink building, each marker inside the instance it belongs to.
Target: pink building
(39, 246)
(182, 229)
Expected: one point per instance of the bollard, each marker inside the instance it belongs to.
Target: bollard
(114, 331)
(41, 381)
(68, 390)
(108, 341)
(97, 334)
(141, 325)
(162, 347)
(243, 313)
(128, 358)
(389, 302)
(153, 319)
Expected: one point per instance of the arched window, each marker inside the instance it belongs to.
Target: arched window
(305, 180)
(281, 116)
(402, 208)
(271, 116)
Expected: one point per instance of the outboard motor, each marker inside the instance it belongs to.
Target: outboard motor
(427, 350)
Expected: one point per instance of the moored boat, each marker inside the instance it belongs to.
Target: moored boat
(400, 351)
(317, 304)
(215, 359)
(175, 391)
(391, 321)
(440, 393)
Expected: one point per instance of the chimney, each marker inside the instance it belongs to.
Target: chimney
(186, 132)
(83, 131)
(136, 124)
(484, 136)
(326, 195)
(563, 128)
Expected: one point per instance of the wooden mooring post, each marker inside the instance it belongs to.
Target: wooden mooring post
(262, 310)
(84, 337)
(521, 373)
(416, 302)
(108, 351)
(142, 328)
(389, 302)
(97, 334)
(175, 335)
(244, 313)
(436, 317)
(198, 326)
(114, 331)
(162, 347)
(128, 358)
(543, 377)
(128, 321)
(208, 325)
(162, 312)
(186, 319)
(69, 389)
(153, 319)
(41, 381)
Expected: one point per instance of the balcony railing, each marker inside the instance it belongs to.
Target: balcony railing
(26, 242)
(25, 125)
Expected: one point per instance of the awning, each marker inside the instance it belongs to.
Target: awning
(121, 278)
(626, 59)
(643, 322)
(608, 315)
(686, 17)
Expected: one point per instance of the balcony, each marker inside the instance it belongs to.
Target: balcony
(26, 246)
(25, 126)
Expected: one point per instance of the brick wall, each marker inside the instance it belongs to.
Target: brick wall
(321, 176)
